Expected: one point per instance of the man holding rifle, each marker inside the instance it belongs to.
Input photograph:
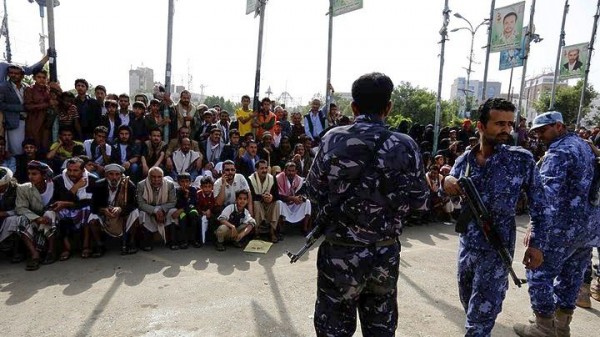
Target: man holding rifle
(498, 172)
(364, 179)
(567, 171)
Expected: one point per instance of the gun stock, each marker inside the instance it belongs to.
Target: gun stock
(485, 222)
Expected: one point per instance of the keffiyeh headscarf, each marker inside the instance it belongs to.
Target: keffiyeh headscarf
(5, 175)
(44, 169)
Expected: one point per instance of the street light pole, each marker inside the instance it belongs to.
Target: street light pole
(438, 103)
(473, 31)
(51, 41)
(561, 43)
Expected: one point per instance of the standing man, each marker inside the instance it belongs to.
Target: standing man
(363, 190)
(12, 100)
(314, 121)
(244, 116)
(185, 110)
(89, 109)
(499, 172)
(567, 170)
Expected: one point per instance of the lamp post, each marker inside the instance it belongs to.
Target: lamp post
(50, 4)
(473, 31)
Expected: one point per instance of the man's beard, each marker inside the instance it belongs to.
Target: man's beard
(113, 184)
(501, 138)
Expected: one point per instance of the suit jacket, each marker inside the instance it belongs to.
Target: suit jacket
(578, 64)
(101, 192)
(62, 194)
(133, 150)
(11, 105)
(29, 202)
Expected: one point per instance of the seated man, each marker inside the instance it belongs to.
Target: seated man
(153, 153)
(225, 187)
(212, 148)
(72, 203)
(265, 194)
(294, 206)
(236, 222)
(30, 152)
(37, 223)
(156, 201)
(186, 160)
(64, 148)
(231, 151)
(98, 150)
(9, 221)
(249, 159)
(126, 153)
(114, 210)
(175, 144)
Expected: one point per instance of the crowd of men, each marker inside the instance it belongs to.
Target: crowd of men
(91, 168)
(143, 170)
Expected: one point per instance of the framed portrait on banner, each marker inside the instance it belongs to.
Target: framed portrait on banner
(507, 27)
(573, 61)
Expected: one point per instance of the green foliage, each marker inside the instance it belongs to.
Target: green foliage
(567, 101)
(227, 105)
(418, 105)
(395, 120)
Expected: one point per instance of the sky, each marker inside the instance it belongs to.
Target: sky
(215, 43)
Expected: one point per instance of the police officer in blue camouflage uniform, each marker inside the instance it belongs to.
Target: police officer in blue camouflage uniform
(567, 170)
(499, 172)
(364, 179)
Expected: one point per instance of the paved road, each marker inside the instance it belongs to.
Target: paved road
(201, 292)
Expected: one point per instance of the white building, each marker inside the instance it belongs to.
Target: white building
(141, 80)
(459, 90)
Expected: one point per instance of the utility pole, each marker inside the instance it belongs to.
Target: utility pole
(561, 43)
(5, 33)
(438, 103)
(587, 67)
(256, 103)
(487, 50)
(51, 42)
(528, 37)
(329, 52)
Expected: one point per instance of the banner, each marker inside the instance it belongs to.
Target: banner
(251, 6)
(344, 6)
(507, 27)
(573, 61)
(513, 58)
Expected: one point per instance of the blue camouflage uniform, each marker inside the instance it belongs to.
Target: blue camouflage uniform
(365, 179)
(482, 278)
(567, 170)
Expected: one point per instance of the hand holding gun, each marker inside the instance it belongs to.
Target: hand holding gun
(311, 238)
(485, 222)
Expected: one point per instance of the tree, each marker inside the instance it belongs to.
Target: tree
(418, 105)
(567, 102)
(226, 105)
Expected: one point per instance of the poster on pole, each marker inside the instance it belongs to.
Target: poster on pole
(344, 6)
(513, 58)
(507, 27)
(251, 6)
(573, 61)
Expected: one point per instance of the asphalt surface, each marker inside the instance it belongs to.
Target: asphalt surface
(202, 292)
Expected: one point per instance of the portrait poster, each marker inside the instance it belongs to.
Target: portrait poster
(507, 27)
(344, 6)
(573, 60)
(513, 58)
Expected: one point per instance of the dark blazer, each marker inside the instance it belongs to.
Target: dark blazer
(101, 192)
(10, 105)
(578, 64)
(105, 122)
(133, 150)
(9, 198)
(62, 194)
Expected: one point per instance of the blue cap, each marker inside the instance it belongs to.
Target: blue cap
(546, 118)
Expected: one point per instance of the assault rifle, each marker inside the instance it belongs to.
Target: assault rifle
(311, 238)
(485, 222)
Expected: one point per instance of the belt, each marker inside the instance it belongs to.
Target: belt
(382, 243)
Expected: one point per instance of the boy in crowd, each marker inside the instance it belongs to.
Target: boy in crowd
(186, 215)
(206, 205)
(236, 222)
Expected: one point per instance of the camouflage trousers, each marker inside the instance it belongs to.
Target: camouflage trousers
(351, 278)
(556, 282)
(482, 285)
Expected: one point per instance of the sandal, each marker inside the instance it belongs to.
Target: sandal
(33, 264)
(98, 252)
(220, 246)
(85, 253)
(64, 256)
(49, 259)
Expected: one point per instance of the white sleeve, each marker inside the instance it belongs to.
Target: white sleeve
(226, 213)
